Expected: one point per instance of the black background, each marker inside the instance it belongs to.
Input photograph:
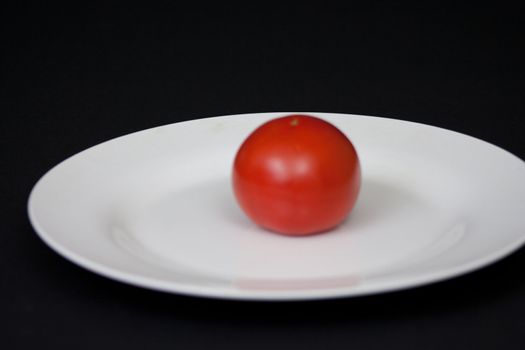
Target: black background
(74, 77)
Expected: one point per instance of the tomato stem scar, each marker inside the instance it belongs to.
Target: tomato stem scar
(294, 122)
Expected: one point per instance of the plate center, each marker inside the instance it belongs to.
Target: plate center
(200, 228)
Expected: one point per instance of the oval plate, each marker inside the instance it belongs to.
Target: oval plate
(155, 209)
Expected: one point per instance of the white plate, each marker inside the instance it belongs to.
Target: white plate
(155, 209)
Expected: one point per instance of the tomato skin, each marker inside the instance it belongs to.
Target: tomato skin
(297, 175)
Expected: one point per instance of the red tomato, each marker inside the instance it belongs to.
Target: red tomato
(297, 175)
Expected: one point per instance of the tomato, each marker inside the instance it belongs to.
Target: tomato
(296, 175)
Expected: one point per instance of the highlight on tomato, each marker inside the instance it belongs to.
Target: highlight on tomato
(297, 175)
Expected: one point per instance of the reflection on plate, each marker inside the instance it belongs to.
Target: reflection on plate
(155, 209)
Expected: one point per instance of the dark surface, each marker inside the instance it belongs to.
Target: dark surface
(71, 78)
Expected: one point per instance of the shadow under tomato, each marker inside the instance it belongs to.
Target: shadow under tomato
(380, 201)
